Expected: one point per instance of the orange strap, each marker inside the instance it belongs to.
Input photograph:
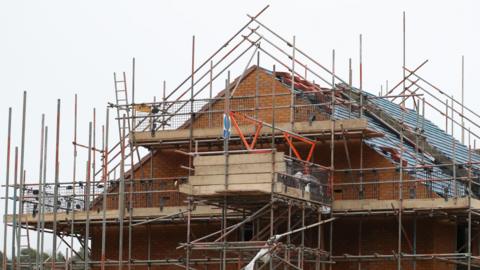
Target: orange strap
(258, 128)
(289, 138)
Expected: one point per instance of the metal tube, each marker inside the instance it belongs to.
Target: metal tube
(360, 242)
(93, 152)
(257, 84)
(319, 240)
(289, 228)
(121, 200)
(292, 93)
(190, 159)
(446, 116)
(469, 236)
(210, 94)
(350, 78)
(272, 210)
(302, 241)
(39, 205)
(192, 116)
(227, 158)
(74, 178)
(414, 240)
(189, 218)
(87, 200)
(22, 175)
(55, 196)
(7, 182)
(361, 79)
(133, 97)
(164, 103)
(130, 204)
(403, 70)
(463, 99)
(15, 237)
(44, 180)
(105, 179)
(451, 119)
(400, 197)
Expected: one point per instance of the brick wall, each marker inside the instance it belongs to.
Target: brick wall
(379, 235)
(164, 239)
(154, 188)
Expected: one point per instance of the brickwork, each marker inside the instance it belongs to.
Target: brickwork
(154, 188)
(372, 235)
(164, 239)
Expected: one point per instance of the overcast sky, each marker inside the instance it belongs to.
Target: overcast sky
(54, 49)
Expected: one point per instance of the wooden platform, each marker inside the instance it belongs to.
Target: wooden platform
(250, 173)
(338, 206)
(112, 215)
(349, 128)
(408, 204)
(251, 178)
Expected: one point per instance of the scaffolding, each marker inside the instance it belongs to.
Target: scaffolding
(237, 138)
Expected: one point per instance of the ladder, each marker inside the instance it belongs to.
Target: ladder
(23, 241)
(124, 111)
(25, 245)
(121, 97)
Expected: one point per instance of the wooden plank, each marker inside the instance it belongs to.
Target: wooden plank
(323, 126)
(151, 212)
(290, 191)
(247, 158)
(254, 178)
(418, 204)
(214, 189)
(239, 168)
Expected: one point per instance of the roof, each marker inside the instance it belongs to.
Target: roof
(389, 145)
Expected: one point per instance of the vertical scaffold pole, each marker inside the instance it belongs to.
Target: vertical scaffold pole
(133, 124)
(469, 240)
(463, 99)
(7, 183)
(350, 85)
(87, 198)
(43, 191)
(74, 178)
(210, 94)
(190, 159)
(22, 179)
(274, 151)
(105, 188)
(292, 90)
(332, 140)
(55, 189)
(400, 196)
(361, 78)
(14, 215)
(227, 156)
(192, 96)
(121, 196)
(39, 205)
(400, 183)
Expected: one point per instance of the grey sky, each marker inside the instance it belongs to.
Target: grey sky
(54, 49)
